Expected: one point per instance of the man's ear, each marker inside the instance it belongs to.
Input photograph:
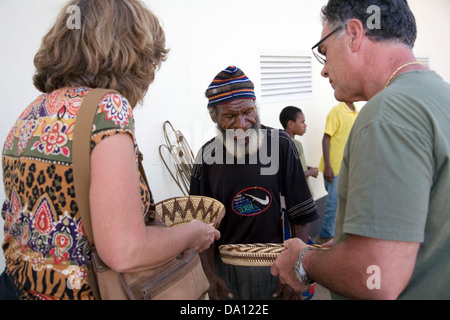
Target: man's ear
(356, 33)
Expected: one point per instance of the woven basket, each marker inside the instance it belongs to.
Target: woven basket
(252, 255)
(181, 210)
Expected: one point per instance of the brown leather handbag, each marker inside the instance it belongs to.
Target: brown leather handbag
(182, 278)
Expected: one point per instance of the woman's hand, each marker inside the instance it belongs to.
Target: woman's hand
(206, 235)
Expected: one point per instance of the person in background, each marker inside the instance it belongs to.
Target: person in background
(392, 239)
(119, 45)
(232, 168)
(339, 123)
(293, 122)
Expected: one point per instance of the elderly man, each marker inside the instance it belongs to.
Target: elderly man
(254, 171)
(392, 239)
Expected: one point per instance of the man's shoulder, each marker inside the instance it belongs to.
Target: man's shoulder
(209, 143)
(416, 85)
(208, 149)
(271, 132)
(411, 95)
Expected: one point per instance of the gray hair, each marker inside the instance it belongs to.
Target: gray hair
(397, 23)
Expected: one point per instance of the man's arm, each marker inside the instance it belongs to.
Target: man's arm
(353, 268)
(301, 231)
(311, 172)
(328, 171)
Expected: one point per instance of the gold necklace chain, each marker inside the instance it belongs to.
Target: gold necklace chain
(400, 68)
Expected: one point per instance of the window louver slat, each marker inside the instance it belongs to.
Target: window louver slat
(285, 77)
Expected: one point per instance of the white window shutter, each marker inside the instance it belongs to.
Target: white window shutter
(285, 76)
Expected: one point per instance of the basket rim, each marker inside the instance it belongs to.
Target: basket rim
(245, 257)
(217, 205)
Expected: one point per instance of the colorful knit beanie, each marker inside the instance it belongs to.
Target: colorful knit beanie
(228, 85)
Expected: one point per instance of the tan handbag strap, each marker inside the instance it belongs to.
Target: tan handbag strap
(81, 154)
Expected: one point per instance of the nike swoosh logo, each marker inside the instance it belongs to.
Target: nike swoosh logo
(261, 201)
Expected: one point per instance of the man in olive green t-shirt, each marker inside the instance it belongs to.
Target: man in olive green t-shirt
(397, 163)
(392, 238)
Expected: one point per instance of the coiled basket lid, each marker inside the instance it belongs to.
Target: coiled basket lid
(180, 210)
(252, 255)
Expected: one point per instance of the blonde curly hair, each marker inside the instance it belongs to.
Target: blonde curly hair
(120, 45)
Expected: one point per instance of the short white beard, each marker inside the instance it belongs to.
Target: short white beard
(239, 148)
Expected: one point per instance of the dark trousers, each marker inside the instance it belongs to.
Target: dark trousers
(248, 283)
(8, 290)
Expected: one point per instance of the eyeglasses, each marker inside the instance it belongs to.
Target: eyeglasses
(319, 56)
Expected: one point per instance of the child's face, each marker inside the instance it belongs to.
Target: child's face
(300, 124)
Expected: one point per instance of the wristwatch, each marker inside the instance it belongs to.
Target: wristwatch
(300, 272)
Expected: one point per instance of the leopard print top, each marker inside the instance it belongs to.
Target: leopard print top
(43, 233)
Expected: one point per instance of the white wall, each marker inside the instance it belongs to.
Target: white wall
(205, 36)
(433, 17)
(208, 36)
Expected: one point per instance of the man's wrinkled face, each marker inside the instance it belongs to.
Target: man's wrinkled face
(238, 122)
(237, 114)
(344, 61)
(242, 135)
(332, 50)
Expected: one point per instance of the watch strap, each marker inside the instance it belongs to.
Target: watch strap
(300, 271)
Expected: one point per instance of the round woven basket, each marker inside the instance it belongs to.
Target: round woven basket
(181, 210)
(252, 255)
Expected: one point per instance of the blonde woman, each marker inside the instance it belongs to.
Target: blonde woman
(118, 45)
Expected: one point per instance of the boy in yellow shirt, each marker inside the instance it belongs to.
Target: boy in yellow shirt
(339, 123)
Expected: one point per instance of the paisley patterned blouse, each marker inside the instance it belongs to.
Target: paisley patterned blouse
(43, 231)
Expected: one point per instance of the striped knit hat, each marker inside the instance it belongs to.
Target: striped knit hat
(228, 85)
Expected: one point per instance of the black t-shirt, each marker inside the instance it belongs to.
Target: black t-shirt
(253, 192)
